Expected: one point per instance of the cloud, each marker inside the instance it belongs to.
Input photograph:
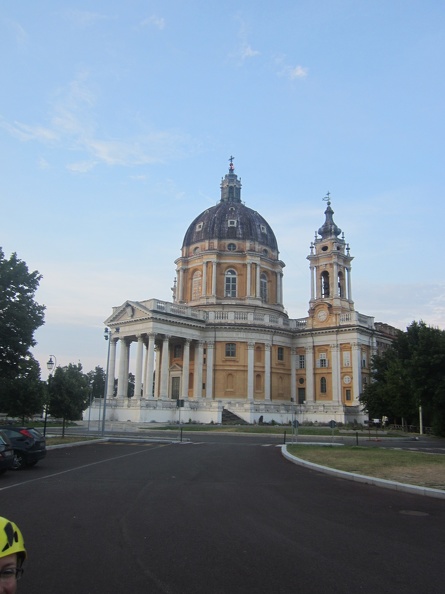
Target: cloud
(73, 127)
(26, 132)
(42, 163)
(84, 18)
(158, 22)
(81, 166)
(297, 72)
(245, 50)
(288, 71)
(20, 35)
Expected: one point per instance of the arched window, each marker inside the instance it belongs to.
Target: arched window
(341, 285)
(323, 385)
(263, 287)
(196, 285)
(229, 382)
(230, 283)
(325, 284)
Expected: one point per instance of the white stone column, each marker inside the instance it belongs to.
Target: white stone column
(336, 376)
(186, 370)
(158, 371)
(138, 373)
(209, 375)
(164, 368)
(204, 279)
(148, 382)
(312, 283)
(213, 277)
(197, 387)
(181, 285)
(121, 373)
(248, 278)
(267, 377)
(335, 294)
(258, 275)
(111, 368)
(293, 375)
(278, 292)
(310, 393)
(348, 270)
(356, 373)
(250, 370)
(127, 368)
(281, 288)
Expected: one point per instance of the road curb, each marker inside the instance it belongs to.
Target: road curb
(361, 478)
(75, 444)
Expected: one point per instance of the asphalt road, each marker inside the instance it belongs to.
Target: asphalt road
(215, 518)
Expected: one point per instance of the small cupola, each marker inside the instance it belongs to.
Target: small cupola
(329, 229)
(231, 185)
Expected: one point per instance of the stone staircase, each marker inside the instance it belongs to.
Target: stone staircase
(229, 418)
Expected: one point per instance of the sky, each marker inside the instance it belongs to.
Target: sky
(117, 121)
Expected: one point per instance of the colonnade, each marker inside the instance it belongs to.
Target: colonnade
(150, 355)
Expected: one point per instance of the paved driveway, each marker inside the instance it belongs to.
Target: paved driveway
(215, 518)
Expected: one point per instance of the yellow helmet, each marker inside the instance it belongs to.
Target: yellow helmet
(11, 539)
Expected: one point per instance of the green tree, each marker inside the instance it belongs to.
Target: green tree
(409, 375)
(96, 380)
(24, 395)
(68, 393)
(20, 314)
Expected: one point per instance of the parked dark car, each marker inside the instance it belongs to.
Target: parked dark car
(28, 443)
(6, 453)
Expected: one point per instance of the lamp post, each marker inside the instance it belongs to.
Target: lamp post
(50, 365)
(107, 335)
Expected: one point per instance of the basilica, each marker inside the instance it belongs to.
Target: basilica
(225, 345)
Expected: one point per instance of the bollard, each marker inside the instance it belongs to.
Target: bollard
(181, 435)
(284, 438)
(356, 438)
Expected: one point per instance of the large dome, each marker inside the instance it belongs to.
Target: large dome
(230, 219)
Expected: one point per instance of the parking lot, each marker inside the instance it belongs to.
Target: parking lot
(214, 517)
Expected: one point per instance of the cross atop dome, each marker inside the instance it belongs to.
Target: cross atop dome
(231, 166)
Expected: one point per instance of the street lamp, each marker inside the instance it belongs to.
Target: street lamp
(107, 335)
(51, 363)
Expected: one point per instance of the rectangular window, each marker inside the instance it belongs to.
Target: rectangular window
(301, 395)
(322, 361)
(231, 223)
(301, 362)
(348, 396)
(364, 362)
(280, 354)
(177, 351)
(346, 359)
(230, 349)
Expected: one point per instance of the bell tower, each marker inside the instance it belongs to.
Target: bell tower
(330, 266)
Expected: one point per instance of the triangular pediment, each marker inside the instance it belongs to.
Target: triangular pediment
(127, 312)
(175, 367)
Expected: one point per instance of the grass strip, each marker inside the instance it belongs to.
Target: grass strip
(414, 468)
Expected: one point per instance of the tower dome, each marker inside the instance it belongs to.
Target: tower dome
(229, 256)
(230, 219)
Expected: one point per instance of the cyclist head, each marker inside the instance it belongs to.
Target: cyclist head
(12, 555)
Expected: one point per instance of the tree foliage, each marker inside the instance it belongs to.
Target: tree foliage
(23, 396)
(410, 374)
(96, 381)
(20, 315)
(68, 393)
